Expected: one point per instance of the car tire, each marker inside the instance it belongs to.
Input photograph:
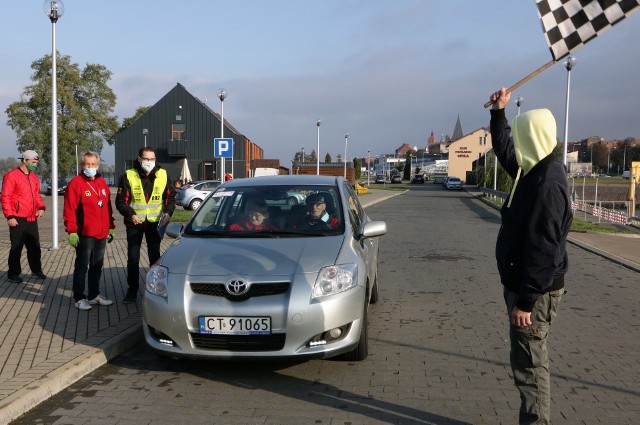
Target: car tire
(361, 352)
(291, 201)
(195, 204)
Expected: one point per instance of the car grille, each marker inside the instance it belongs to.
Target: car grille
(273, 342)
(256, 290)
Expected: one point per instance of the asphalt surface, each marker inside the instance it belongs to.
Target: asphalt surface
(46, 344)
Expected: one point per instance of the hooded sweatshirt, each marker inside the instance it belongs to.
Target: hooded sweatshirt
(531, 245)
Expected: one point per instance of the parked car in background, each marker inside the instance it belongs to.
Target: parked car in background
(438, 179)
(62, 187)
(191, 195)
(418, 178)
(396, 178)
(453, 183)
(281, 288)
(379, 178)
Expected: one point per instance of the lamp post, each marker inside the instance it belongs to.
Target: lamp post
(519, 101)
(54, 10)
(318, 150)
(144, 134)
(368, 168)
(221, 95)
(569, 64)
(77, 168)
(346, 142)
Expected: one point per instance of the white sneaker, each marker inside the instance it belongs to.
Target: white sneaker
(100, 300)
(83, 305)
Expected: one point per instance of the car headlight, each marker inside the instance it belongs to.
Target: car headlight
(157, 279)
(335, 279)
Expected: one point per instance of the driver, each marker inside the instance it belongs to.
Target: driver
(256, 217)
(317, 217)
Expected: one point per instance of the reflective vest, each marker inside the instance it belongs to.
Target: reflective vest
(152, 210)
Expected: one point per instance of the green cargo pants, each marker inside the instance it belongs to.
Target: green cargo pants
(530, 358)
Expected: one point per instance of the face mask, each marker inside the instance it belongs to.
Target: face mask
(32, 167)
(90, 172)
(147, 165)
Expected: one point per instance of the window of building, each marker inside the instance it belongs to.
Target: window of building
(178, 133)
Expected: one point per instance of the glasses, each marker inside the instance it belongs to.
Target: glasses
(147, 159)
(316, 204)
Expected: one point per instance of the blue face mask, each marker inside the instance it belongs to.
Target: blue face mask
(90, 172)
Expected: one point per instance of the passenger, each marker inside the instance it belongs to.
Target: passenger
(256, 217)
(317, 217)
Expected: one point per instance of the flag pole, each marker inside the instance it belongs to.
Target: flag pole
(525, 79)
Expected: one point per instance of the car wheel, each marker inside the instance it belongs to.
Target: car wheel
(361, 351)
(374, 292)
(291, 201)
(195, 204)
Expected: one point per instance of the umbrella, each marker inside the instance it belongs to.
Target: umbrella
(185, 174)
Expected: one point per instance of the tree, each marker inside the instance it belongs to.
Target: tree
(407, 169)
(84, 107)
(128, 121)
(327, 158)
(357, 165)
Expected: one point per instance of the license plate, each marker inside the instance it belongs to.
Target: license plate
(236, 325)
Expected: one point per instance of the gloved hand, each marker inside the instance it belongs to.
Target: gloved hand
(110, 237)
(74, 239)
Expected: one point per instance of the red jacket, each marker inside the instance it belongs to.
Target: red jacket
(21, 195)
(82, 211)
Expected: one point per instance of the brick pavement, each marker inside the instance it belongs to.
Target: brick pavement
(46, 344)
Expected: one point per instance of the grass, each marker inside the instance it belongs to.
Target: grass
(181, 215)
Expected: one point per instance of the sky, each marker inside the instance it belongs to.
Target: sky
(386, 72)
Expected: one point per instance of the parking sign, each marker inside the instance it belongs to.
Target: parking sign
(223, 148)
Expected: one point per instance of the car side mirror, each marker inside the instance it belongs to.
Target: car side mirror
(174, 230)
(373, 229)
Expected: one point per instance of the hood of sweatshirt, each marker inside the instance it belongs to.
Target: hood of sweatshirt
(534, 137)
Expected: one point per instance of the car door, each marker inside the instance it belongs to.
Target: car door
(357, 219)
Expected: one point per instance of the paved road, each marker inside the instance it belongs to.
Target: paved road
(439, 350)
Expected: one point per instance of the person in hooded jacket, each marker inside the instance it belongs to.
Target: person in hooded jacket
(145, 197)
(22, 206)
(531, 246)
(88, 219)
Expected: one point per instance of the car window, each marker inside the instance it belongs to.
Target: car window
(268, 211)
(356, 213)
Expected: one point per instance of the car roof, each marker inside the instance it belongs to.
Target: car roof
(284, 180)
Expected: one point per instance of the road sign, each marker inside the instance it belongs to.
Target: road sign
(223, 148)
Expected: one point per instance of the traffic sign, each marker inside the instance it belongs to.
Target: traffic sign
(223, 147)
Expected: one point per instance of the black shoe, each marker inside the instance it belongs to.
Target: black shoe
(15, 279)
(129, 299)
(40, 275)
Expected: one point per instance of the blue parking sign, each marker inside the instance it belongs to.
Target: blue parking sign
(223, 148)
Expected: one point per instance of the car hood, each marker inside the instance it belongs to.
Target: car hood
(251, 256)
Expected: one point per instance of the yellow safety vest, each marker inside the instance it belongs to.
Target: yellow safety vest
(152, 210)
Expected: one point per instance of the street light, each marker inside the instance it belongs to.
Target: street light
(569, 64)
(318, 150)
(144, 134)
(54, 10)
(519, 101)
(346, 142)
(368, 168)
(221, 95)
(77, 168)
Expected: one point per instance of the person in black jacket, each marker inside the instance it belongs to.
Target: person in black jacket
(145, 198)
(531, 246)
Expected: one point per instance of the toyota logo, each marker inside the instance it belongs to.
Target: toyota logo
(237, 287)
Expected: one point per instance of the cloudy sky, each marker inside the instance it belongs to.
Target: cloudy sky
(388, 72)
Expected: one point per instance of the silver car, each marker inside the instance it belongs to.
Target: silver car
(249, 276)
(191, 195)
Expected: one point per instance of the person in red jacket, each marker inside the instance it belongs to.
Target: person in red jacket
(88, 219)
(22, 205)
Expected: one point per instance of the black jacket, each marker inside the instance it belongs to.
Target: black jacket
(531, 246)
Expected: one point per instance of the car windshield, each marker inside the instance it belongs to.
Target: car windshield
(269, 211)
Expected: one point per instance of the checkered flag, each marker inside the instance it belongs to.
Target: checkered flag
(568, 24)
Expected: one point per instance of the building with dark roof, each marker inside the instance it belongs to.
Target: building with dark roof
(180, 126)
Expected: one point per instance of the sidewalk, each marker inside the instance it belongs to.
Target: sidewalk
(46, 344)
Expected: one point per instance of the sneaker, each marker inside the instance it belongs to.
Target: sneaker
(40, 275)
(100, 300)
(129, 299)
(15, 279)
(83, 305)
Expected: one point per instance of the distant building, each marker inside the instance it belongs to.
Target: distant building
(457, 131)
(467, 149)
(180, 126)
(402, 150)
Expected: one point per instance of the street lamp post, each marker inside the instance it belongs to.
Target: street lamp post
(318, 150)
(569, 64)
(144, 134)
(519, 102)
(77, 167)
(221, 95)
(368, 168)
(346, 142)
(54, 10)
